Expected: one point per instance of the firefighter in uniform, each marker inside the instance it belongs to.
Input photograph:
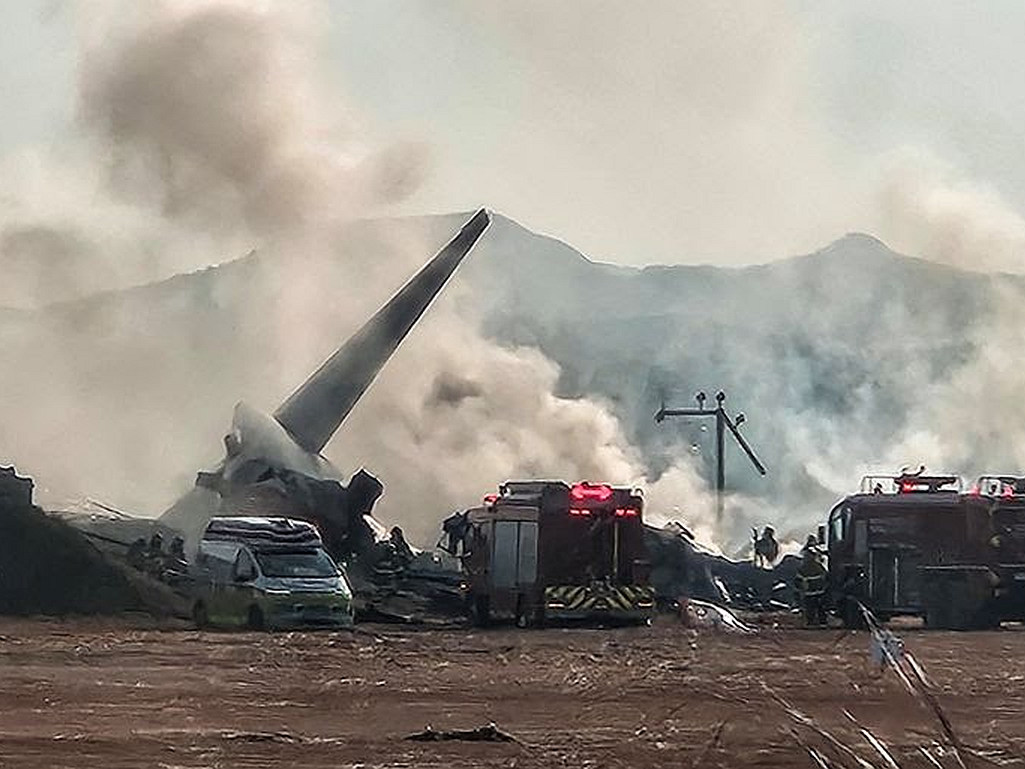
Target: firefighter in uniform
(766, 548)
(811, 584)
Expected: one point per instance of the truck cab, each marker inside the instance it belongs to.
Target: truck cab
(267, 573)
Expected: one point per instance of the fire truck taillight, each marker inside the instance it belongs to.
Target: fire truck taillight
(579, 512)
(599, 492)
(626, 512)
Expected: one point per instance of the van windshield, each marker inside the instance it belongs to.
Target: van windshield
(308, 563)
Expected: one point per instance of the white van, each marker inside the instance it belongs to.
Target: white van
(267, 573)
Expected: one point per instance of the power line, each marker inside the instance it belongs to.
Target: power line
(723, 422)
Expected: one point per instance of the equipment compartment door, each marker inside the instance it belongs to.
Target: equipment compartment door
(504, 562)
(908, 579)
(882, 565)
(527, 573)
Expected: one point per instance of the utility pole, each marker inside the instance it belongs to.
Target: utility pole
(723, 422)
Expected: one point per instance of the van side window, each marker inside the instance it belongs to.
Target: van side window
(245, 567)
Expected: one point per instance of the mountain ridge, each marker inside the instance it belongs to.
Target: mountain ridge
(876, 248)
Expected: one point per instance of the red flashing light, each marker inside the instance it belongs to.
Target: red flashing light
(490, 499)
(626, 512)
(599, 492)
(907, 488)
(579, 511)
(1008, 490)
(975, 491)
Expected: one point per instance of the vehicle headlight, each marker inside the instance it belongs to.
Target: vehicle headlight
(277, 591)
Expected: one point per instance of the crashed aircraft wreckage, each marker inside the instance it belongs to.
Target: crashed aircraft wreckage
(273, 465)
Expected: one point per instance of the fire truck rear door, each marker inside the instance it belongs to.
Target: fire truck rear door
(503, 564)
(515, 555)
(527, 572)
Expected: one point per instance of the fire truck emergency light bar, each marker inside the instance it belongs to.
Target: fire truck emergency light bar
(600, 492)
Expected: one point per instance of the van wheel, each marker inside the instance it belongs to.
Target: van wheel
(199, 616)
(255, 618)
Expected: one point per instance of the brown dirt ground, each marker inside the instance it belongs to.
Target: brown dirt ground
(113, 694)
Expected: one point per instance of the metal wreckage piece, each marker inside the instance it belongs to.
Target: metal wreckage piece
(682, 568)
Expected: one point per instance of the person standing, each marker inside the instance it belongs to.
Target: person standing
(810, 583)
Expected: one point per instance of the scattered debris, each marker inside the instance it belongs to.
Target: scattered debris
(701, 614)
(820, 761)
(877, 744)
(681, 566)
(802, 719)
(489, 733)
(885, 645)
(912, 675)
(284, 738)
(50, 568)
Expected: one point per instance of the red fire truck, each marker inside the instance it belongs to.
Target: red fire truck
(917, 545)
(986, 584)
(545, 550)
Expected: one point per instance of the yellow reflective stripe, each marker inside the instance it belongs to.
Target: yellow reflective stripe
(582, 597)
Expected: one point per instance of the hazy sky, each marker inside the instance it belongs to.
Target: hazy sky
(663, 131)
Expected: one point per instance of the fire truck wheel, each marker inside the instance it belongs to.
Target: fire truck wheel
(851, 615)
(957, 602)
(255, 619)
(937, 617)
(523, 618)
(480, 611)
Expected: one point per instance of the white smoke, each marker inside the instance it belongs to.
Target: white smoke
(928, 208)
(206, 130)
(966, 421)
